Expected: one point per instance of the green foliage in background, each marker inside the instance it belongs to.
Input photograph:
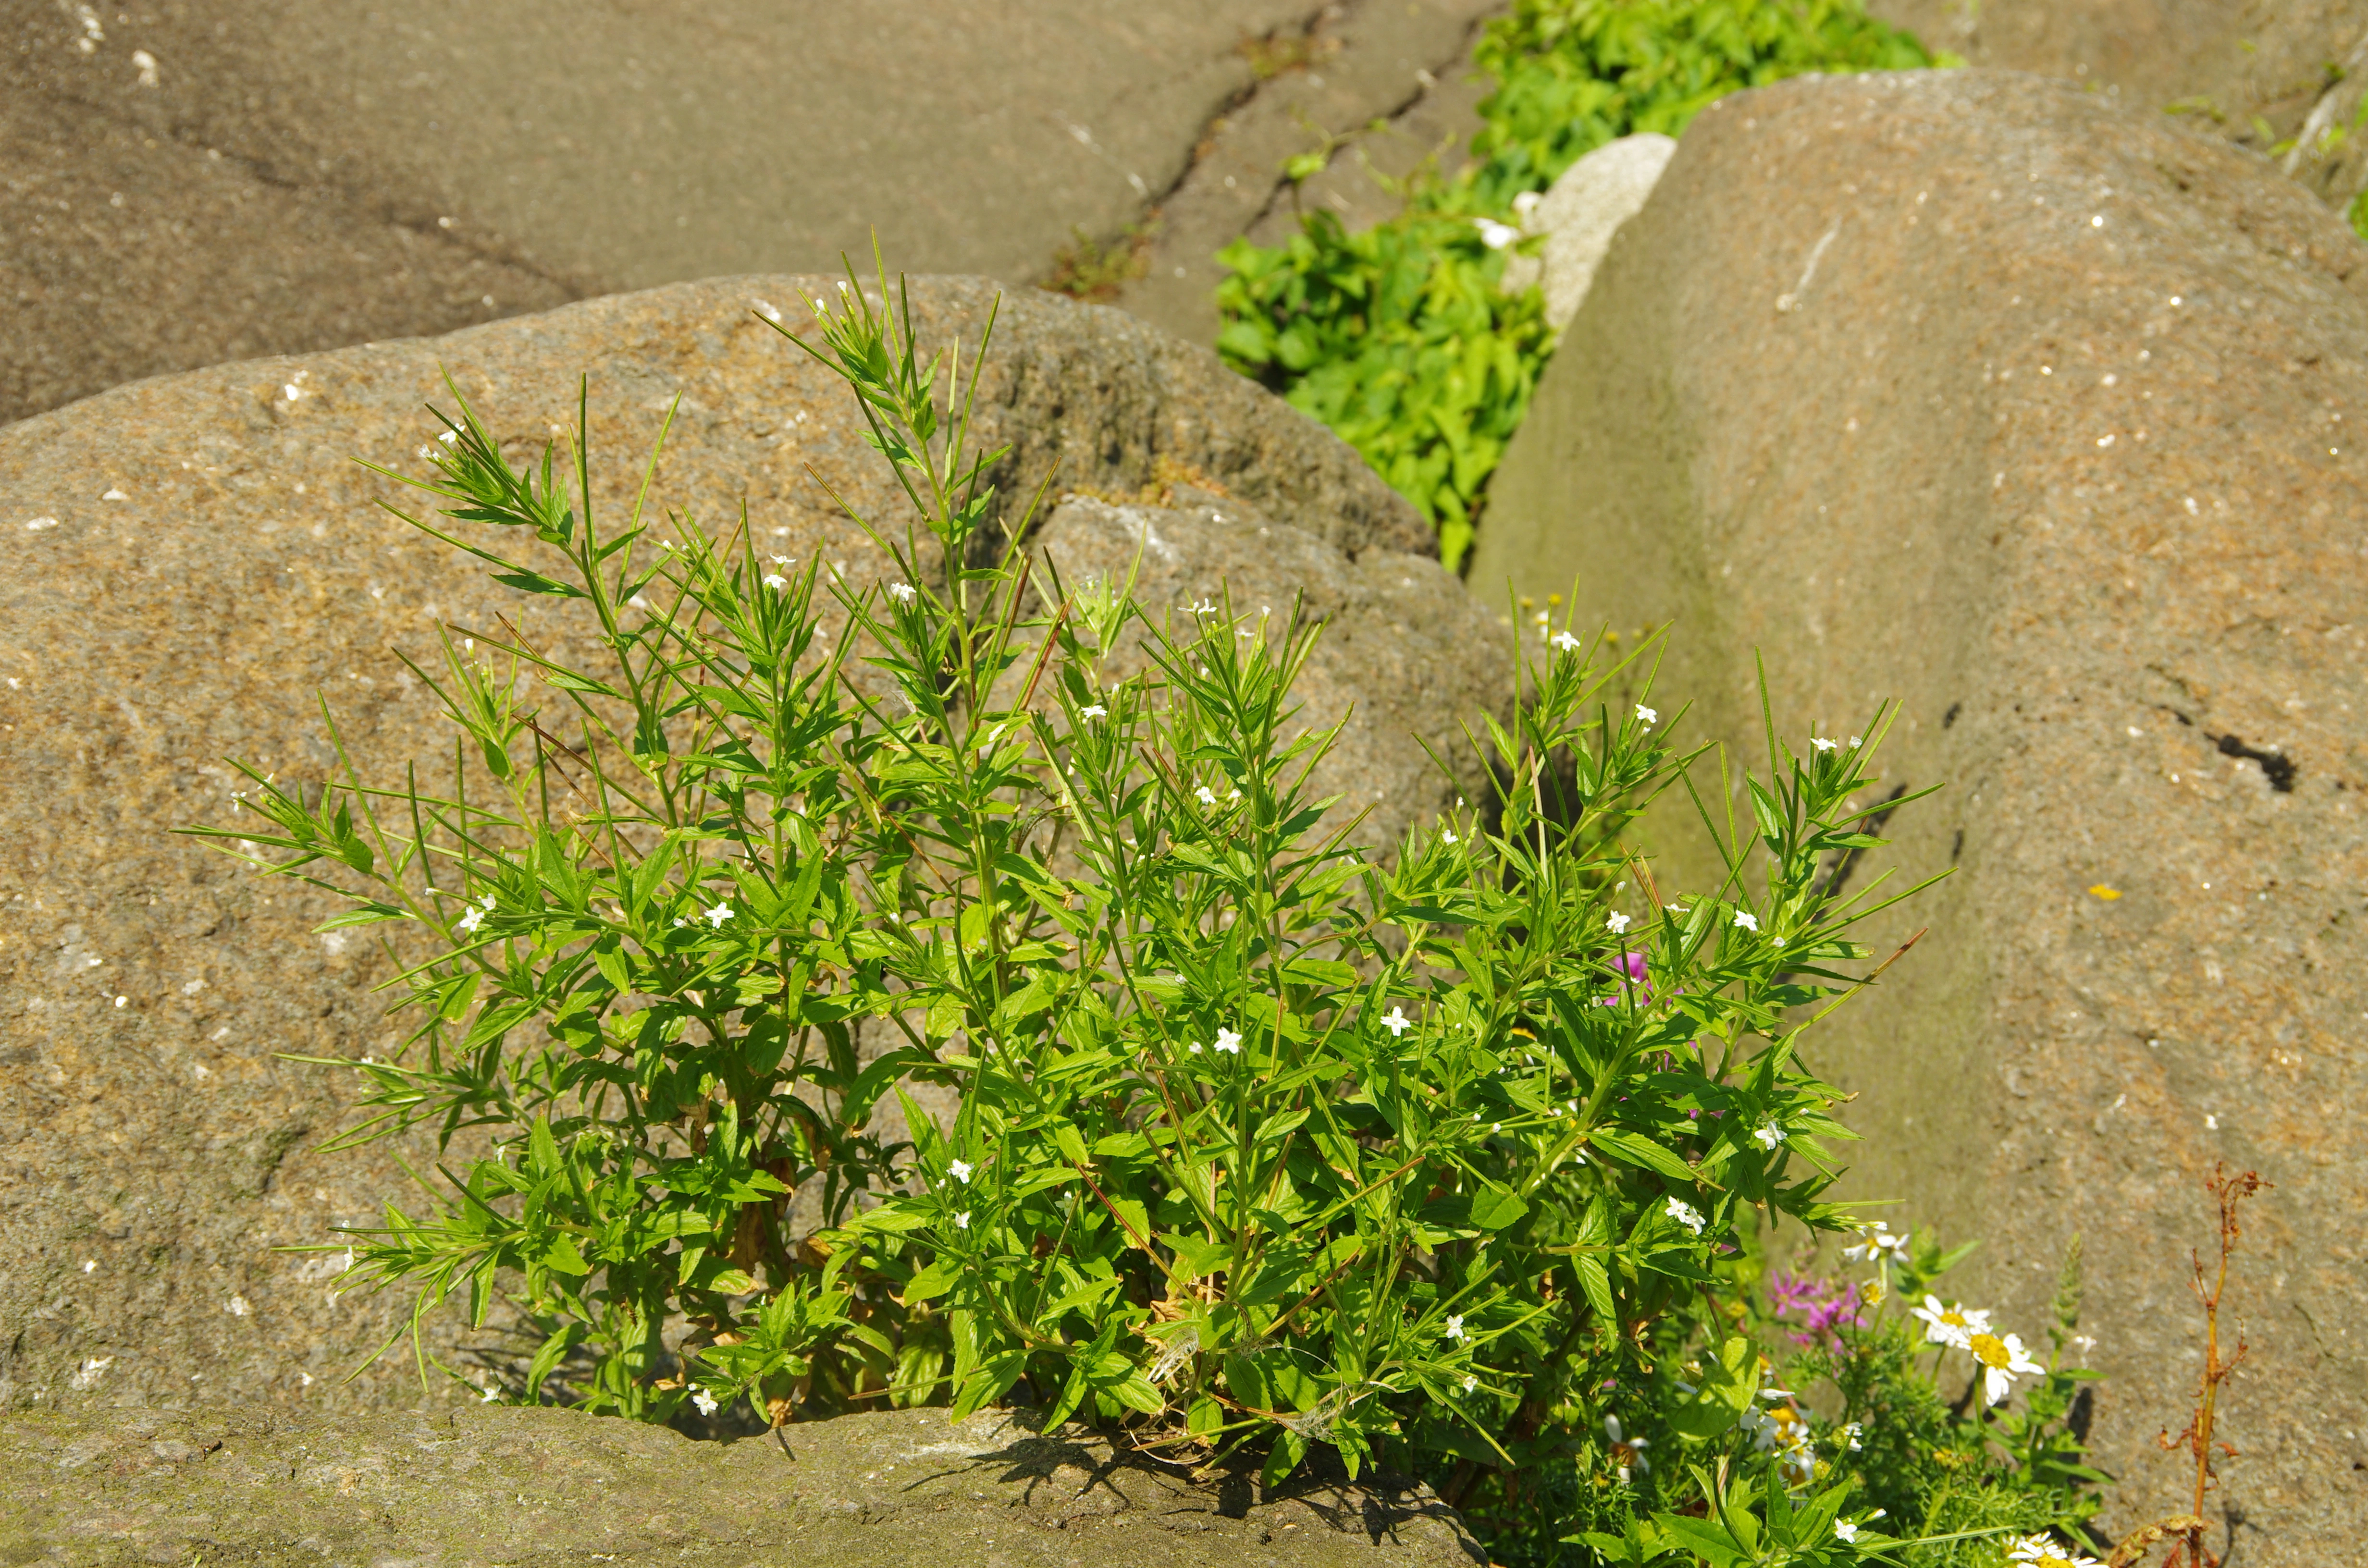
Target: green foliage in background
(1400, 338)
(1457, 1161)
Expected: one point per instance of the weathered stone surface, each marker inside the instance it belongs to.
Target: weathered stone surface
(2056, 444)
(524, 1487)
(1406, 652)
(2282, 80)
(1578, 215)
(191, 557)
(190, 184)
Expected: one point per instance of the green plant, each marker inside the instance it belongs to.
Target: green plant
(1401, 338)
(1455, 1162)
(1096, 272)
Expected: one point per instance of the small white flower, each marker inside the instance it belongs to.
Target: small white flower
(1470, 1382)
(1228, 1043)
(1496, 235)
(1397, 1023)
(1856, 742)
(782, 560)
(1879, 1243)
(1194, 1048)
(1647, 715)
(2041, 1552)
(1953, 1325)
(1447, 836)
(1844, 1531)
(962, 1220)
(776, 581)
(487, 1395)
(2003, 1360)
(717, 916)
(1455, 1326)
(1684, 1213)
(1208, 797)
(1617, 923)
(1745, 920)
(1093, 710)
(903, 593)
(448, 437)
(704, 1401)
(1527, 203)
(1566, 641)
(1205, 607)
(1821, 743)
(1770, 1136)
(961, 1169)
(1852, 1432)
(470, 921)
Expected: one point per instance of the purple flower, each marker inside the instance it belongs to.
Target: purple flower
(1825, 1307)
(1629, 968)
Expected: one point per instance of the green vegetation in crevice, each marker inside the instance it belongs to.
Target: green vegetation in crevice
(1400, 338)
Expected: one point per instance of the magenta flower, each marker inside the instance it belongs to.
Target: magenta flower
(1824, 1307)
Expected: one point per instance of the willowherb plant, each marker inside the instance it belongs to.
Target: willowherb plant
(1261, 1144)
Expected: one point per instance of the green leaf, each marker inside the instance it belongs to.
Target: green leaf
(1729, 1382)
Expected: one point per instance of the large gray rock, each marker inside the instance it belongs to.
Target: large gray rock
(527, 1487)
(191, 557)
(2054, 443)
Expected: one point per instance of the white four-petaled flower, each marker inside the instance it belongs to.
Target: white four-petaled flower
(1496, 235)
(1455, 1326)
(717, 916)
(1566, 641)
(1397, 1023)
(1093, 710)
(1647, 715)
(1821, 743)
(705, 1400)
(1684, 1213)
(1228, 1043)
(1745, 920)
(1617, 923)
(1770, 1136)
(903, 593)
(961, 1169)
(1208, 796)
(1844, 1531)
(962, 1220)
(776, 581)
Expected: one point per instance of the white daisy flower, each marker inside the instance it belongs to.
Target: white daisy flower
(2039, 1552)
(1953, 1324)
(2003, 1360)
(1877, 1242)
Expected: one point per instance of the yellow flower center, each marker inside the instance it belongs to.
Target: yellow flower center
(1992, 1351)
(1954, 1317)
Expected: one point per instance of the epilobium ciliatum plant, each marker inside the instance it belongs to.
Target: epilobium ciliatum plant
(1263, 1143)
